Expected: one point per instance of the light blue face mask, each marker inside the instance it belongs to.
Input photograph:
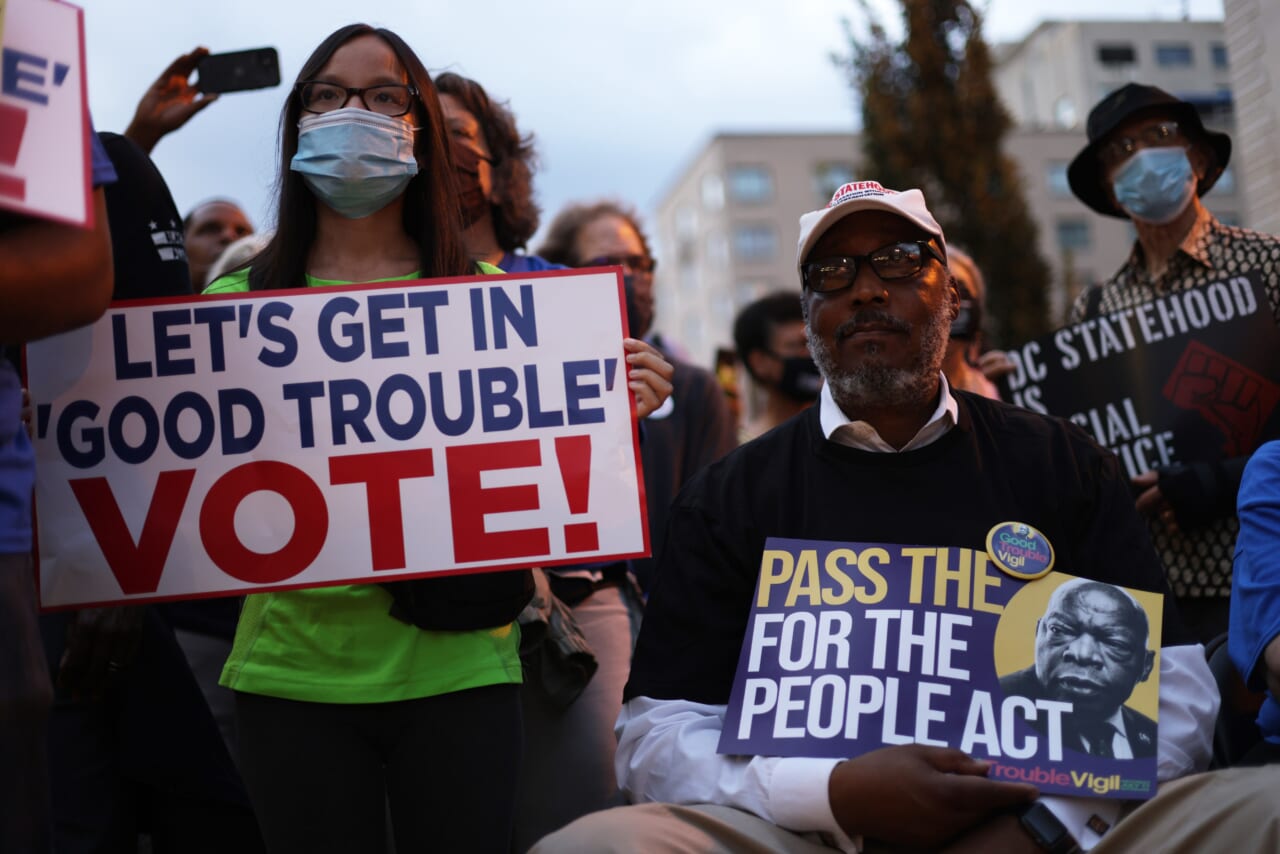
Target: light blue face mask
(354, 160)
(1155, 184)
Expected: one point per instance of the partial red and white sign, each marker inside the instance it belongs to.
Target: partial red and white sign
(44, 114)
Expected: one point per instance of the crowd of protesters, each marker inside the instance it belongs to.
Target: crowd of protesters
(325, 719)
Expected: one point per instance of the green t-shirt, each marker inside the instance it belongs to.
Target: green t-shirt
(339, 644)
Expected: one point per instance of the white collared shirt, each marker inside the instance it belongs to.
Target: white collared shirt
(838, 428)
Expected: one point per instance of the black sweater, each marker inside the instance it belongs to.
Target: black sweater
(999, 464)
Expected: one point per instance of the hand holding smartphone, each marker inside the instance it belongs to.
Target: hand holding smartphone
(238, 71)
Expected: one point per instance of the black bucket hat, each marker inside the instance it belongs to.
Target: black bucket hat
(1085, 172)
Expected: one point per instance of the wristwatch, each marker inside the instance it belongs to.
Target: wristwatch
(1046, 830)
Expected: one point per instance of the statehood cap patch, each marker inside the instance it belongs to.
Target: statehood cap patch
(866, 195)
(859, 190)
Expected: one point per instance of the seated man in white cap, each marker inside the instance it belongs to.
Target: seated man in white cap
(882, 458)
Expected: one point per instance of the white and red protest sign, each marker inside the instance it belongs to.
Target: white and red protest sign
(44, 125)
(280, 439)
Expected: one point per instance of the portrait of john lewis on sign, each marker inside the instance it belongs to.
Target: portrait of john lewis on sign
(1092, 649)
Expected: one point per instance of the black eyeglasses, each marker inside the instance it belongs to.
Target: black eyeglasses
(387, 99)
(895, 261)
(1152, 136)
(630, 263)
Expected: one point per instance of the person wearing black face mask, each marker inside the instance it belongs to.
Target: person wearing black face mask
(771, 342)
(494, 166)
(962, 362)
(769, 336)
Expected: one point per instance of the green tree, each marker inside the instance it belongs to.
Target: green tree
(931, 119)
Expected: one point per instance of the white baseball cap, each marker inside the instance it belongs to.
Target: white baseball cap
(866, 196)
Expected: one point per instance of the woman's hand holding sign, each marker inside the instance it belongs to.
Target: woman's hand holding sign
(917, 795)
(648, 375)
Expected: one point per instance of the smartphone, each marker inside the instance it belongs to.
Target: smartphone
(238, 71)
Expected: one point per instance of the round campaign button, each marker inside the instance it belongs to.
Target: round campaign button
(1019, 550)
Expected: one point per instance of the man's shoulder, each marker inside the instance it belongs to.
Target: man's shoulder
(1007, 423)
(1246, 236)
(741, 469)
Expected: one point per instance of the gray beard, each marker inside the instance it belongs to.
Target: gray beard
(872, 383)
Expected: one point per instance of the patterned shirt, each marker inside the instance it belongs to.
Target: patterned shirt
(1198, 561)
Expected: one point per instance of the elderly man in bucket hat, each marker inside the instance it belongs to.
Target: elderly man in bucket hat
(1149, 159)
(889, 454)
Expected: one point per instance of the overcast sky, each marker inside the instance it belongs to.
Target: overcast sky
(619, 95)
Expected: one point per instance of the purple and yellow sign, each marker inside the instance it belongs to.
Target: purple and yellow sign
(854, 646)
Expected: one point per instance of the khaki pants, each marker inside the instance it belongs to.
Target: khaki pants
(1236, 810)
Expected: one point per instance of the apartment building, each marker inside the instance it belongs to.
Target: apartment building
(727, 226)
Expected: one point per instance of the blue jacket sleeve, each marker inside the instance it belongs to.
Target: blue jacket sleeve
(1255, 585)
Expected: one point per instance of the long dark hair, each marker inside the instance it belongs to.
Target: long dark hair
(432, 218)
(516, 214)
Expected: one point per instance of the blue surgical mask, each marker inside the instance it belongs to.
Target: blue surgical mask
(354, 160)
(1155, 184)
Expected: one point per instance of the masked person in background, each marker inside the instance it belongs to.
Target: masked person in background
(568, 762)
(1149, 159)
(964, 350)
(344, 708)
(495, 174)
(769, 336)
(695, 426)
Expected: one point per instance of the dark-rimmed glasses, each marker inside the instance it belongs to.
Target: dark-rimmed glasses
(630, 263)
(895, 261)
(387, 99)
(1152, 136)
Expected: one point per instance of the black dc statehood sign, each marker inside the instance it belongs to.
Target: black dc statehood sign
(1192, 375)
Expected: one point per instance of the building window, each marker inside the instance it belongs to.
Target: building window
(750, 184)
(1219, 54)
(712, 192)
(1056, 178)
(1117, 54)
(1173, 55)
(829, 177)
(1226, 183)
(1073, 235)
(754, 243)
(1217, 109)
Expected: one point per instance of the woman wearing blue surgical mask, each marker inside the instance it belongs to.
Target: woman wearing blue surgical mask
(344, 709)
